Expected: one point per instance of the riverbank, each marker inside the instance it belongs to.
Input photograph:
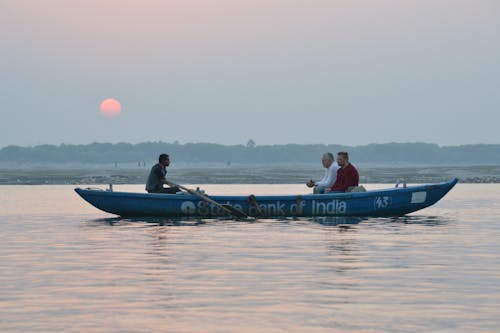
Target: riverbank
(289, 174)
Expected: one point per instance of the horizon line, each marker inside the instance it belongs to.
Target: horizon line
(176, 142)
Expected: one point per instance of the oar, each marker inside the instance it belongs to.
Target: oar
(226, 207)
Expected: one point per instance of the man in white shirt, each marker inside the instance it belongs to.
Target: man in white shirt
(330, 174)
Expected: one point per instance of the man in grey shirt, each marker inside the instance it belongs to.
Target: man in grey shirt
(157, 177)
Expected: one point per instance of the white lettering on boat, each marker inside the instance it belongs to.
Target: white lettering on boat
(382, 202)
(188, 207)
(208, 209)
(275, 208)
(270, 209)
(294, 208)
(329, 208)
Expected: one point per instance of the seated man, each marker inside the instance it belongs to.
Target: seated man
(347, 175)
(330, 175)
(157, 177)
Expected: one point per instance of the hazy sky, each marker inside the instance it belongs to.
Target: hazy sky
(224, 71)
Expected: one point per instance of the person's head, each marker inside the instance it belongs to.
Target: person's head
(327, 160)
(164, 160)
(342, 158)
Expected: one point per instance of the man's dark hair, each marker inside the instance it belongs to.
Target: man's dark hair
(344, 154)
(163, 157)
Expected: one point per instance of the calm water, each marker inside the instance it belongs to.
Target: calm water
(64, 266)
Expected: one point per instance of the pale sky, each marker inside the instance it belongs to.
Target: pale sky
(224, 71)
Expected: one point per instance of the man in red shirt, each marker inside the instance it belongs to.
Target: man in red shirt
(347, 175)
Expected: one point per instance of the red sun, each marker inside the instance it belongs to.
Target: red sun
(111, 107)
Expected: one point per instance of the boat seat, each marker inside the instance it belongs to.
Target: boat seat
(356, 189)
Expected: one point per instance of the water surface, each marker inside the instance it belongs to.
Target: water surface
(66, 266)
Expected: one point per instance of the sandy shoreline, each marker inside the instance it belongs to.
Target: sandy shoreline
(244, 175)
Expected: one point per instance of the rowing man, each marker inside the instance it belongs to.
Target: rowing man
(157, 177)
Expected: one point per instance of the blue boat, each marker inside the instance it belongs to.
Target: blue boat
(386, 202)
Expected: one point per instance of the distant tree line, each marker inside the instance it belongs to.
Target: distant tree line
(388, 153)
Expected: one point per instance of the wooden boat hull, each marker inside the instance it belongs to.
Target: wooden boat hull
(386, 202)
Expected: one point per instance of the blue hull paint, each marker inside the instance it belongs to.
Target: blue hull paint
(386, 202)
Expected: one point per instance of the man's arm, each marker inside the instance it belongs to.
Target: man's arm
(339, 186)
(159, 173)
(355, 177)
(330, 177)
